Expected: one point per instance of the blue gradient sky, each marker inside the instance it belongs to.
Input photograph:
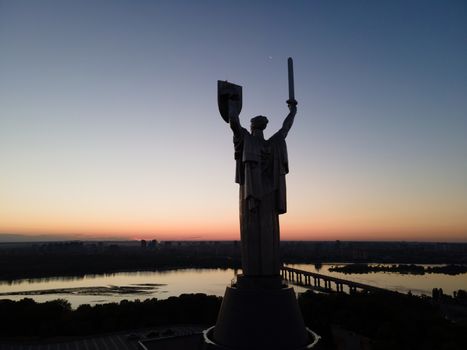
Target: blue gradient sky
(109, 122)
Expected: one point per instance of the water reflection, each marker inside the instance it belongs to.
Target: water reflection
(114, 287)
(108, 274)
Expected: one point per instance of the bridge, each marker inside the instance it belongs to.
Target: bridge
(304, 278)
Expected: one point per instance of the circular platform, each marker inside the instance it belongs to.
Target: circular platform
(259, 318)
(209, 344)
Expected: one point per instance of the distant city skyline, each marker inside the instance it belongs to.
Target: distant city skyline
(109, 124)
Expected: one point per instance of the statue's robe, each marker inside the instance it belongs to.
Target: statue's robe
(261, 166)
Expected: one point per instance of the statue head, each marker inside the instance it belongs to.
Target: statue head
(259, 123)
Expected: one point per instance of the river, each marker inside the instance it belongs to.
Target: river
(95, 289)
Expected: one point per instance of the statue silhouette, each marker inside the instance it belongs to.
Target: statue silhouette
(261, 166)
(259, 311)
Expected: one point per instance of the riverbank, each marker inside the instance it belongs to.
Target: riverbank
(20, 261)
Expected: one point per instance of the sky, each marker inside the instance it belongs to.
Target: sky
(109, 125)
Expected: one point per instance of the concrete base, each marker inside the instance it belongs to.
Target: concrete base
(211, 345)
(259, 318)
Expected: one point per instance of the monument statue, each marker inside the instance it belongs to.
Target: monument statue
(261, 166)
(259, 311)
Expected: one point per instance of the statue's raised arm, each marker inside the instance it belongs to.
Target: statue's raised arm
(288, 121)
(234, 119)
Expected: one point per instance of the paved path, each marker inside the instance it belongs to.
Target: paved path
(116, 341)
(109, 342)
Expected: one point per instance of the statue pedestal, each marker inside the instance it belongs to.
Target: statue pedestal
(259, 313)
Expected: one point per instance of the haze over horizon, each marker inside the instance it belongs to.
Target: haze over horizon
(40, 238)
(109, 125)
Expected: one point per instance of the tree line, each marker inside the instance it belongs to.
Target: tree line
(390, 321)
(450, 269)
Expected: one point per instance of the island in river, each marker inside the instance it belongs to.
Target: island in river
(450, 269)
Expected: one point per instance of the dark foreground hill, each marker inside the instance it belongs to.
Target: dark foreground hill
(388, 321)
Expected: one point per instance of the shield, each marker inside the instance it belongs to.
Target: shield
(229, 99)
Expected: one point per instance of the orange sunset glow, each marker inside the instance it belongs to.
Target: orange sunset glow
(113, 131)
